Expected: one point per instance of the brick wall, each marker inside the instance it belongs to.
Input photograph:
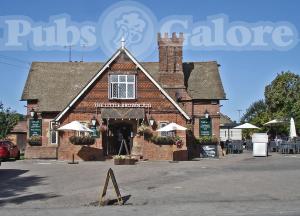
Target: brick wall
(34, 152)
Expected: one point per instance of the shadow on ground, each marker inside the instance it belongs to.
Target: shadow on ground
(109, 202)
(13, 184)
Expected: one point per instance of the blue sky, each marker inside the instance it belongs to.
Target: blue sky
(244, 73)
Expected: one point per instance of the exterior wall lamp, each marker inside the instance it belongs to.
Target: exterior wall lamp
(32, 113)
(206, 114)
(151, 121)
(94, 121)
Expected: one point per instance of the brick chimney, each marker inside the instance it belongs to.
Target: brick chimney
(170, 60)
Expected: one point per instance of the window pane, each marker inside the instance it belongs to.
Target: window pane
(130, 90)
(114, 78)
(163, 133)
(122, 90)
(122, 78)
(130, 78)
(53, 137)
(114, 90)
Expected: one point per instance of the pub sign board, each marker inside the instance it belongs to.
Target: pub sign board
(205, 127)
(35, 127)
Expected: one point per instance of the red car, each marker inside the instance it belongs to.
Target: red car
(9, 150)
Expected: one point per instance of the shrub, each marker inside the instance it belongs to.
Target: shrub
(82, 140)
(206, 140)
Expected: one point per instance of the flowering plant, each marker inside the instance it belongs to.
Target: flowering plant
(35, 140)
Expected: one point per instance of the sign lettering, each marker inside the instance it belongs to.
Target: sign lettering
(35, 127)
(122, 105)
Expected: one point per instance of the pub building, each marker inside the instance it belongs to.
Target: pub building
(119, 97)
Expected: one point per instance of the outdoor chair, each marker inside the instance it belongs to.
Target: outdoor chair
(273, 146)
(230, 148)
(297, 147)
(291, 148)
(249, 145)
(235, 147)
(284, 148)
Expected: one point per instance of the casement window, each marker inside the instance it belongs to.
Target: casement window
(163, 133)
(83, 133)
(53, 133)
(122, 87)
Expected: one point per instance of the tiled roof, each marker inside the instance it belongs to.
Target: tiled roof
(55, 84)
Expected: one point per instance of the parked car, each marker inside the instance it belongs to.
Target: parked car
(9, 150)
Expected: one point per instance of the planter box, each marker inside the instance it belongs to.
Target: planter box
(127, 161)
(130, 161)
(119, 161)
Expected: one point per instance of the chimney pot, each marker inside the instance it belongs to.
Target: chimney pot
(174, 35)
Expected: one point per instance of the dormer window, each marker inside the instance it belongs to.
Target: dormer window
(122, 87)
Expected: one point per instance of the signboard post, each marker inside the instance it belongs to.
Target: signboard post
(35, 127)
(110, 175)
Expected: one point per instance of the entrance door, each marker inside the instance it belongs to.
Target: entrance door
(119, 131)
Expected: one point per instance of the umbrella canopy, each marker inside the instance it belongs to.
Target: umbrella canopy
(274, 122)
(75, 126)
(246, 126)
(172, 127)
(292, 129)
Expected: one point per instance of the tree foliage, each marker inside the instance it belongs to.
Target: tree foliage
(283, 96)
(282, 101)
(8, 119)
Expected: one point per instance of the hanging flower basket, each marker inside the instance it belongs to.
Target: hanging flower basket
(82, 140)
(35, 141)
(145, 131)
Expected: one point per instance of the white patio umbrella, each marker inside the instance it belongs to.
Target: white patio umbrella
(246, 126)
(292, 129)
(172, 127)
(274, 122)
(75, 126)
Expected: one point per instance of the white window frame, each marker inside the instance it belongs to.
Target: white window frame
(84, 133)
(51, 124)
(161, 125)
(118, 82)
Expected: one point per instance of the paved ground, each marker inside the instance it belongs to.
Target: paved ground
(235, 185)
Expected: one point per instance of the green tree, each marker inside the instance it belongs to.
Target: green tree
(256, 114)
(8, 119)
(282, 97)
(282, 101)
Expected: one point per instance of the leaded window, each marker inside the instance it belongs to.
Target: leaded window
(122, 86)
